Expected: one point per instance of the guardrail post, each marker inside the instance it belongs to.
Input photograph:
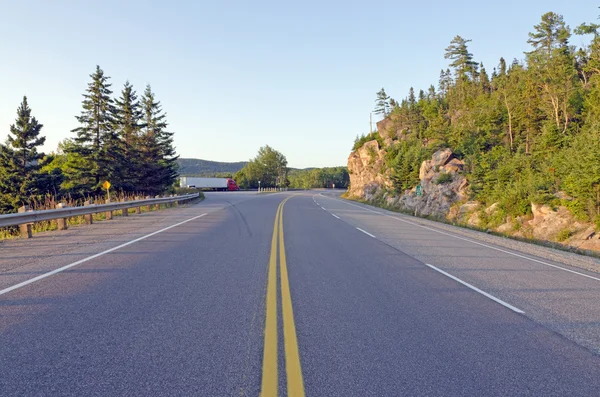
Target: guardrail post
(138, 210)
(89, 218)
(62, 222)
(25, 229)
(109, 214)
(157, 206)
(125, 211)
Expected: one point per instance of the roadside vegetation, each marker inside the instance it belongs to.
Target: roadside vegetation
(528, 131)
(50, 203)
(123, 140)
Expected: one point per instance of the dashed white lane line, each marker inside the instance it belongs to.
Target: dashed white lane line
(335, 216)
(472, 241)
(89, 258)
(492, 297)
(365, 232)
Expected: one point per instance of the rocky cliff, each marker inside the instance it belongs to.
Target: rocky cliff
(366, 170)
(445, 195)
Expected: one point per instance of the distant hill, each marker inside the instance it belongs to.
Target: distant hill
(198, 167)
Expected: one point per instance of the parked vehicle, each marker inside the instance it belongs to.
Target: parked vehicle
(209, 183)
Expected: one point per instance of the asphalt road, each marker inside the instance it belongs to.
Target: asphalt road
(315, 297)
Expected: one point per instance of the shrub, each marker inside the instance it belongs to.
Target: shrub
(443, 178)
(563, 235)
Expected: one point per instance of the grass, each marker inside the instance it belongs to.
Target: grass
(12, 232)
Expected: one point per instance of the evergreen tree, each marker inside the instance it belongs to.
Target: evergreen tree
(382, 105)
(157, 152)
(97, 142)
(550, 34)
(462, 59)
(412, 100)
(128, 122)
(20, 161)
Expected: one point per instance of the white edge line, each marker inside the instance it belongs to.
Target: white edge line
(365, 232)
(79, 262)
(472, 241)
(334, 215)
(492, 297)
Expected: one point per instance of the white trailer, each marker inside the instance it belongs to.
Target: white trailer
(208, 183)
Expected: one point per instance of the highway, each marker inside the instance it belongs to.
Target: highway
(290, 294)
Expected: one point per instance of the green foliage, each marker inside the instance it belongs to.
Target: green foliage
(361, 140)
(269, 167)
(563, 235)
(327, 177)
(443, 178)
(529, 132)
(404, 160)
(157, 152)
(124, 141)
(382, 103)
(20, 161)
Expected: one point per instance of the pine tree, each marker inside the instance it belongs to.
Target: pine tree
(382, 105)
(550, 34)
(159, 160)
(462, 59)
(20, 160)
(97, 142)
(128, 123)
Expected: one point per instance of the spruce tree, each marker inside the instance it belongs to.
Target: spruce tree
(128, 123)
(97, 141)
(159, 160)
(20, 161)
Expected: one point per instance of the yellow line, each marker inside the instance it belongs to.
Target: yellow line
(269, 371)
(295, 384)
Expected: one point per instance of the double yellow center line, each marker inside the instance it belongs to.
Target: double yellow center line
(295, 384)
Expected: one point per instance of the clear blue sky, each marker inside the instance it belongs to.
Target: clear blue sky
(235, 75)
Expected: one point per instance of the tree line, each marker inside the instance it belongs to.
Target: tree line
(528, 132)
(122, 140)
(315, 178)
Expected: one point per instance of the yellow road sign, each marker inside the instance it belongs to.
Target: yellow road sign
(106, 185)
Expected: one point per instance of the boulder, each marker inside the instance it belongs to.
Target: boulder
(454, 166)
(441, 157)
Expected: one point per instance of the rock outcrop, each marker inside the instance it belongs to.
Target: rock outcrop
(445, 194)
(442, 184)
(366, 169)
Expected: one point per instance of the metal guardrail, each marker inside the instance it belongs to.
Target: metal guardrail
(67, 212)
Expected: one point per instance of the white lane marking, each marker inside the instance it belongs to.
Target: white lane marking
(89, 258)
(334, 215)
(323, 209)
(492, 297)
(474, 242)
(365, 232)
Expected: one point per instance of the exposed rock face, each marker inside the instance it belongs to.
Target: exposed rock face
(365, 167)
(442, 185)
(445, 194)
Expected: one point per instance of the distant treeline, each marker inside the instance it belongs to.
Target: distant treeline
(206, 168)
(314, 178)
(122, 140)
